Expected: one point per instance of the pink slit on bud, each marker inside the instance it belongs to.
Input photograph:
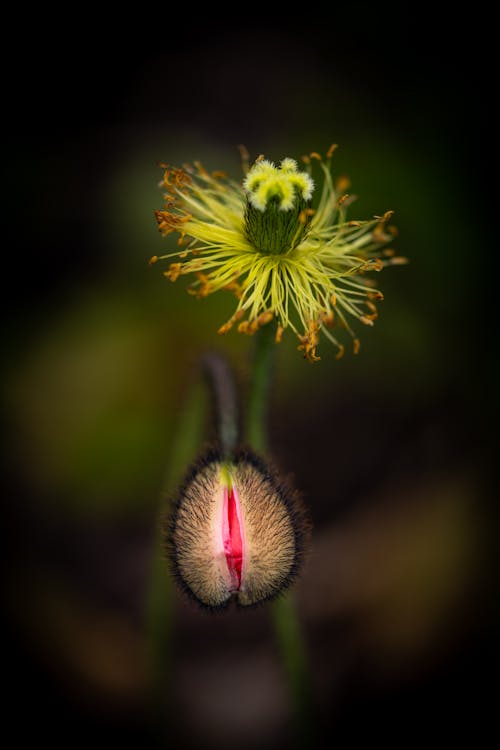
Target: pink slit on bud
(232, 536)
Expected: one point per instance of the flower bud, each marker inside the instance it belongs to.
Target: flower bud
(236, 531)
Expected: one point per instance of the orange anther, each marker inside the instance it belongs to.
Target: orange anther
(174, 271)
(342, 184)
(265, 318)
(340, 352)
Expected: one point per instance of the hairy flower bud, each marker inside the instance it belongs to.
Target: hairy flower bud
(237, 531)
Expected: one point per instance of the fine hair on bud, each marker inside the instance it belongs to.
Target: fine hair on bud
(237, 531)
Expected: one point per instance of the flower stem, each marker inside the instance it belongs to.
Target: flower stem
(189, 437)
(256, 422)
(189, 434)
(225, 402)
(286, 624)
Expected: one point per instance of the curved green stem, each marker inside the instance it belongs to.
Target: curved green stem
(286, 624)
(189, 437)
(185, 447)
(225, 402)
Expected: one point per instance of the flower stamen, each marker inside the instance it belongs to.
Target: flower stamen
(282, 257)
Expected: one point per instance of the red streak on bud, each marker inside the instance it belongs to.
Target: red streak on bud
(232, 536)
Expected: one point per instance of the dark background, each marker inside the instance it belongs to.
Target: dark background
(393, 449)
